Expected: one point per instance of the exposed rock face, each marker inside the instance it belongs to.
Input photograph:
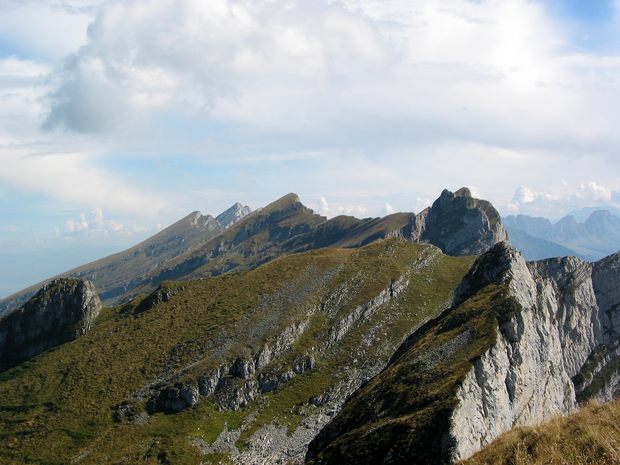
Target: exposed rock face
(459, 224)
(61, 311)
(523, 343)
(233, 215)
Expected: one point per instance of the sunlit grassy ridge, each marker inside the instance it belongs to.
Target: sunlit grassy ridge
(58, 407)
(589, 437)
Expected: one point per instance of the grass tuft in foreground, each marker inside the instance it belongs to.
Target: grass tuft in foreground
(588, 437)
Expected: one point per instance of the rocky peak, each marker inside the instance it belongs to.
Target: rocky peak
(63, 310)
(463, 192)
(603, 223)
(496, 266)
(459, 224)
(233, 214)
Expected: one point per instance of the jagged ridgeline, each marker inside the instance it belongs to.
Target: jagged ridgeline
(245, 367)
(200, 246)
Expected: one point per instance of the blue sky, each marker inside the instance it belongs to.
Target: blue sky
(119, 117)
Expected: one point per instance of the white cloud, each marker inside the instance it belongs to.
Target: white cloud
(98, 217)
(387, 103)
(563, 198)
(594, 191)
(524, 194)
(82, 224)
(493, 69)
(73, 179)
(389, 209)
(323, 206)
(116, 226)
(330, 210)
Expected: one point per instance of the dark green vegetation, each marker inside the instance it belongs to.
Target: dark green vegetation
(402, 415)
(591, 436)
(59, 408)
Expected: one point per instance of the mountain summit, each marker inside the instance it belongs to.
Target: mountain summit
(459, 224)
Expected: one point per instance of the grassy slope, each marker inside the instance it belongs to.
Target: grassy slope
(589, 437)
(58, 406)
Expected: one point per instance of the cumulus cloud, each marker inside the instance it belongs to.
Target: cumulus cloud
(493, 69)
(389, 209)
(95, 225)
(116, 226)
(394, 100)
(98, 217)
(330, 210)
(595, 192)
(524, 194)
(82, 224)
(562, 199)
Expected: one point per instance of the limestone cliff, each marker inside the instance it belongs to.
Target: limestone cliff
(63, 310)
(523, 343)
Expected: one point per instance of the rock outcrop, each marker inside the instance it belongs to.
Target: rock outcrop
(522, 344)
(459, 224)
(61, 311)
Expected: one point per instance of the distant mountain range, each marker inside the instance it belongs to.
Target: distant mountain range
(538, 238)
(200, 246)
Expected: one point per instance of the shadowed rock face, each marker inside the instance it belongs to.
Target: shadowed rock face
(459, 224)
(61, 311)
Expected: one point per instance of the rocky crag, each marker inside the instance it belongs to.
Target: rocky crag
(523, 343)
(233, 215)
(459, 224)
(61, 311)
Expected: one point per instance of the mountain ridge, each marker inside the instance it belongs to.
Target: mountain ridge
(190, 231)
(522, 344)
(291, 337)
(457, 223)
